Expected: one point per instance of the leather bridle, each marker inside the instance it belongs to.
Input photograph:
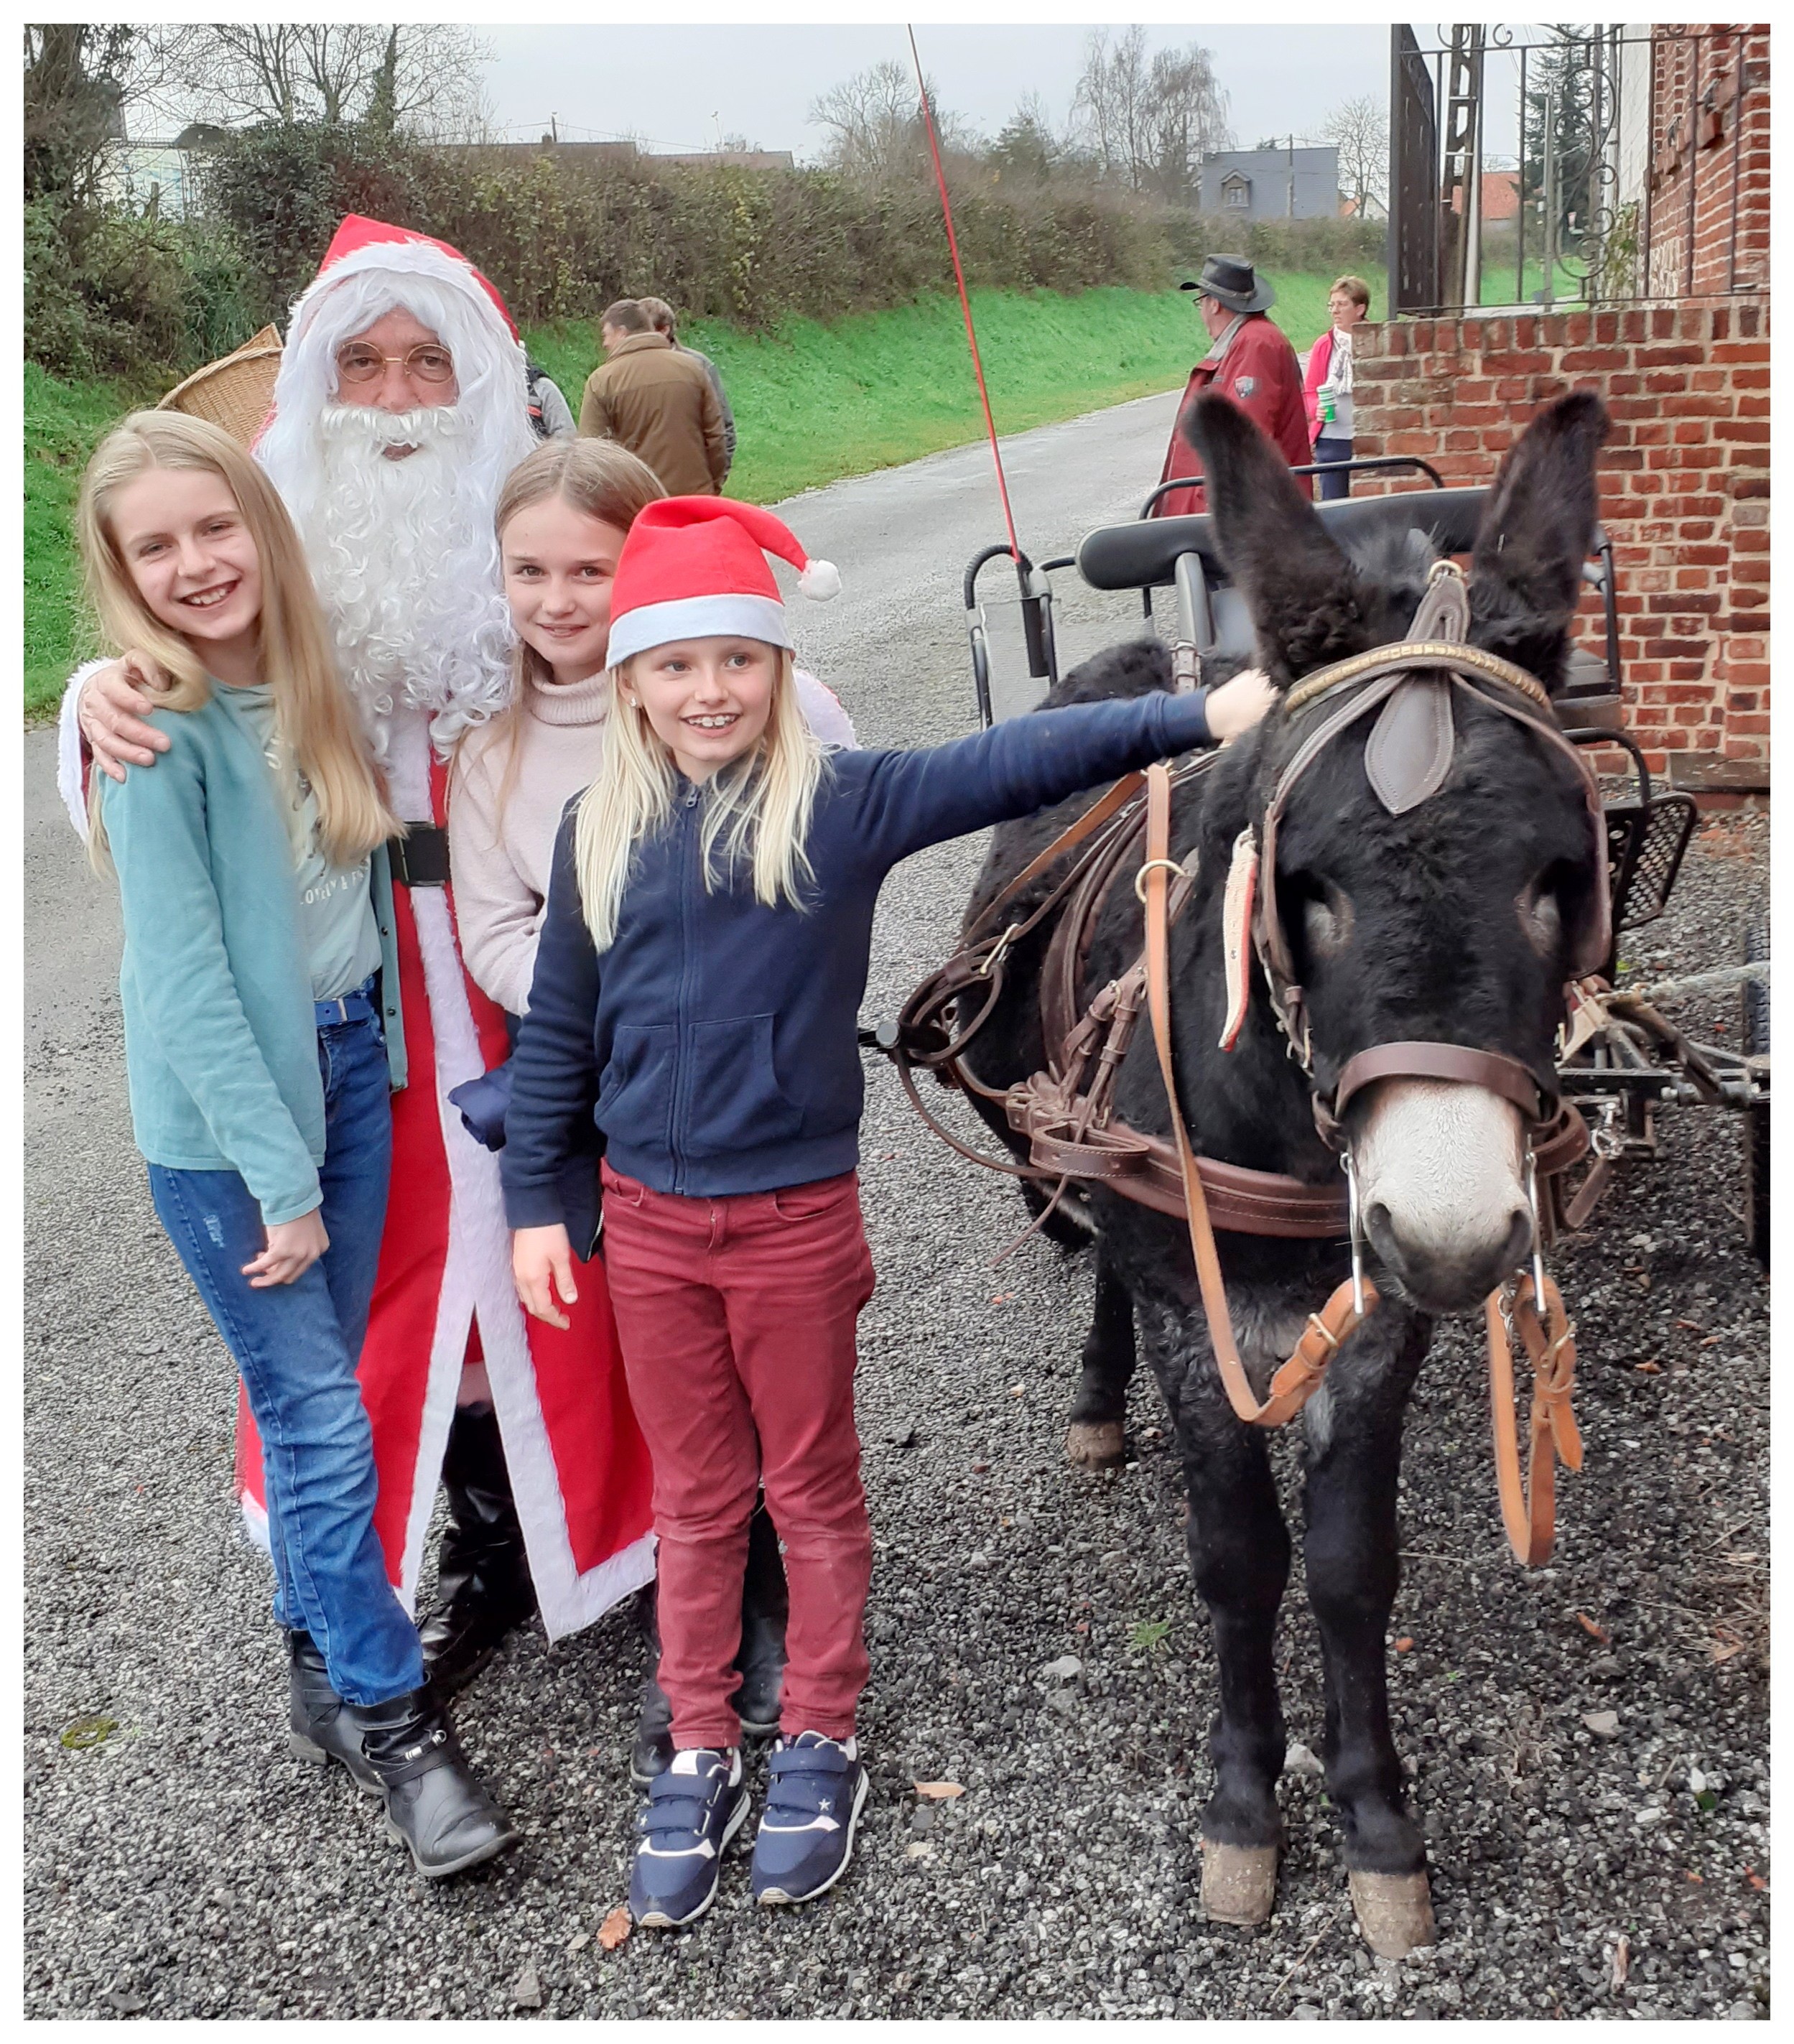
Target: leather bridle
(1413, 684)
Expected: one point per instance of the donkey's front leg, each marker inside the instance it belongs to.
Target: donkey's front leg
(1096, 1437)
(1239, 1556)
(1351, 1550)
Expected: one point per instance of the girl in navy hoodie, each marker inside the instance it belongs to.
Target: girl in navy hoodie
(696, 994)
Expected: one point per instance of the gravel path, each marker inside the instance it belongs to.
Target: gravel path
(1589, 1741)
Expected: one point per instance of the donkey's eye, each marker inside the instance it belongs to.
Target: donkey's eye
(1326, 922)
(1541, 915)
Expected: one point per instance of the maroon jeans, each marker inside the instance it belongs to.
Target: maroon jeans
(736, 1319)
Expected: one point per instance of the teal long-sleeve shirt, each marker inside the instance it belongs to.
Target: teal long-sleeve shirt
(221, 1041)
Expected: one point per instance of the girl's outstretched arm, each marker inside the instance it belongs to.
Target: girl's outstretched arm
(553, 1068)
(1027, 763)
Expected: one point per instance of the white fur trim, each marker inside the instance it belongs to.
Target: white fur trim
(255, 1524)
(477, 1282)
(403, 259)
(821, 581)
(730, 614)
(72, 778)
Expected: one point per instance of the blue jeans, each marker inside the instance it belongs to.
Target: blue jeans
(297, 1345)
(1333, 486)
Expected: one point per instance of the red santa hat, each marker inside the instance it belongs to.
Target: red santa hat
(361, 243)
(695, 567)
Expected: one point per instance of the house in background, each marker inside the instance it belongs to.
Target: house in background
(1271, 184)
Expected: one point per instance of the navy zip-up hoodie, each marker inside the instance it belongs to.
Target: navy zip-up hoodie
(721, 1035)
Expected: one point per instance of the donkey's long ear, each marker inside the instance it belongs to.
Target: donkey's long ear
(1526, 571)
(1307, 606)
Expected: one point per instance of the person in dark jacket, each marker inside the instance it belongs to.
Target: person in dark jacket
(1251, 361)
(700, 970)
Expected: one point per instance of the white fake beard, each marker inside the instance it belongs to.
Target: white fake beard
(406, 566)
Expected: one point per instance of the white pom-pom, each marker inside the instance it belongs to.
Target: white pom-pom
(819, 581)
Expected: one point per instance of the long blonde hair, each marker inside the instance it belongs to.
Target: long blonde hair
(604, 482)
(313, 722)
(758, 807)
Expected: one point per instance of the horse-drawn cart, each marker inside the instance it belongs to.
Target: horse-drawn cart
(1622, 1060)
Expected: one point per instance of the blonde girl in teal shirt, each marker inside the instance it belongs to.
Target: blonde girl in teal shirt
(247, 865)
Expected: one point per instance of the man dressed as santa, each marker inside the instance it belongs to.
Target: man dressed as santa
(399, 408)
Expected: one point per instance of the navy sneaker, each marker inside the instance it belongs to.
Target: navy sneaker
(692, 1812)
(816, 1790)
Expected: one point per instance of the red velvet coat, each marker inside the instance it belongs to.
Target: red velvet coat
(1260, 374)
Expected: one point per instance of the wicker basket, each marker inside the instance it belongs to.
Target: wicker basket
(234, 392)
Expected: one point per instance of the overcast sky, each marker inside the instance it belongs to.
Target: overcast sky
(683, 87)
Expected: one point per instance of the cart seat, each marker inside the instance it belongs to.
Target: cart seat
(1144, 554)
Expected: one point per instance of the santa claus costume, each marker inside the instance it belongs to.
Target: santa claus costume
(406, 563)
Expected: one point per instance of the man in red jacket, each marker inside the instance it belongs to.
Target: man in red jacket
(1251, 362)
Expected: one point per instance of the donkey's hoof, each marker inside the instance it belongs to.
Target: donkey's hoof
(1096, 1443)
(1394, 1911)
(1238, 1882)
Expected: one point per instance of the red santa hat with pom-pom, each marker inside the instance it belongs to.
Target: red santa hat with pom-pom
(695, 567)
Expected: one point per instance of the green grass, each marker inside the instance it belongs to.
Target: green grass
(813, 403)
(62, 421)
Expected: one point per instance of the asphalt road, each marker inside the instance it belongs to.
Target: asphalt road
(177, 1863)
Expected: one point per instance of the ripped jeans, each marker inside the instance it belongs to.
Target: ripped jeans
(297, 1345)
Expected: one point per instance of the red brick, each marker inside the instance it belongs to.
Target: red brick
(1594, 361)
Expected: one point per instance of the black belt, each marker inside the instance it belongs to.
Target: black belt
(420, 859)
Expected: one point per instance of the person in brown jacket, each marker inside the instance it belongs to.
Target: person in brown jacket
(656, 401)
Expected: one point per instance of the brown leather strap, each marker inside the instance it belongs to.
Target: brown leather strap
(1300, 1375)
(1092, 819)
(1490, 1068)
(1529, 1502)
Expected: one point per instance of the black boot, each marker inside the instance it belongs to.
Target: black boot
(652, 1752)
(766, 1605)
(322, 1730)
(434, 1804)
(483, 1588)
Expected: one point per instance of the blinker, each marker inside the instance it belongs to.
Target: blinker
(1409, 753)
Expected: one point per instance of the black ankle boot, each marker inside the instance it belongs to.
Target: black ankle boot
(766, 1605)
(483, 1588)
(434, 1804)
(652, 1754)
(321, 1728)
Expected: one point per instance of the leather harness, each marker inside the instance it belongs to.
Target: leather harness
(1065, 1111)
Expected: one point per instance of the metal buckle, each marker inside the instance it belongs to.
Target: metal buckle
(1357, 1232)
(994, 958)
(1538, 1246)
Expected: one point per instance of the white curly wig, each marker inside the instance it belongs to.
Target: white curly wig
(404, 553)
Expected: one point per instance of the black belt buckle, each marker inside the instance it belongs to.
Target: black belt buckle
(420, 859)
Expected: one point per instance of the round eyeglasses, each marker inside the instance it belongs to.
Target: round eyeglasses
(358, 362)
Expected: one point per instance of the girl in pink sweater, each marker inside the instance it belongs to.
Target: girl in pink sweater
(561, 519)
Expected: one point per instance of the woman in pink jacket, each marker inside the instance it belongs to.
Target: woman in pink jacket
(1326, 389)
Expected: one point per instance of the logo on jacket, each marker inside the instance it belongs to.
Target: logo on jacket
(1245, 386)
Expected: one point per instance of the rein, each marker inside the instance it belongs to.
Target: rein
(1065, 1112)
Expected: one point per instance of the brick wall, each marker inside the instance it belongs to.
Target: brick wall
(1684, 490)
(1709, 170)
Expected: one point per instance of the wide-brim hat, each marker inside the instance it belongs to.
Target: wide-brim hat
(235, 392)
(1232, 280)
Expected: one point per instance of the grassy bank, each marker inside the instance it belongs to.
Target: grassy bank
(813, 404)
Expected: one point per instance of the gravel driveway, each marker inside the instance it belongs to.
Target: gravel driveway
(1589, 1741)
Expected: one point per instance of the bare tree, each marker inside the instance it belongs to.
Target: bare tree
(1148, 120)
(1359, 128)
(874, 123)
(419, 78)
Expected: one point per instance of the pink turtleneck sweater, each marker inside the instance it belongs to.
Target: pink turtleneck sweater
(501, 864)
